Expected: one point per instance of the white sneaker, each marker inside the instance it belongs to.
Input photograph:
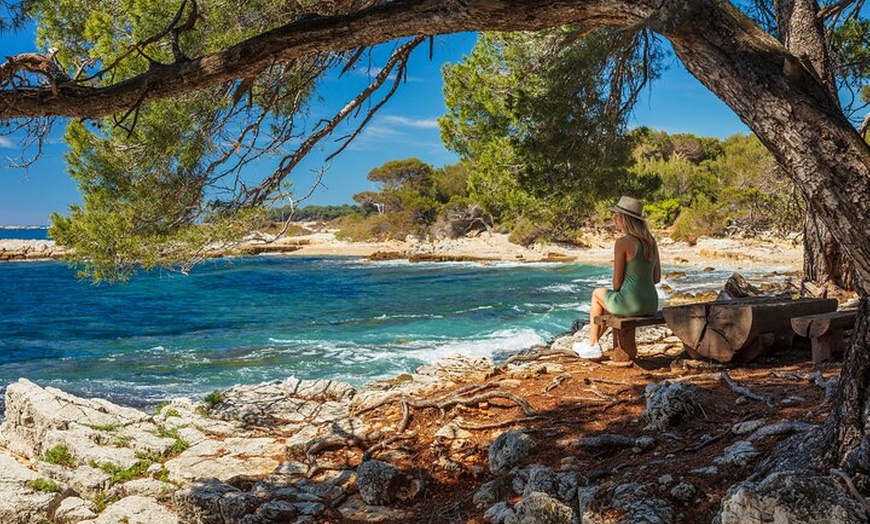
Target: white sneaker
(586, 350)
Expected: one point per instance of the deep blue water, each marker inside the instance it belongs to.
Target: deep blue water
(40, 233)
(249, 320)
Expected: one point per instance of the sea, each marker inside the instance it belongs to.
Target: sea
(249, 320)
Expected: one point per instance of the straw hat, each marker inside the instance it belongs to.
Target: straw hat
(629, 206)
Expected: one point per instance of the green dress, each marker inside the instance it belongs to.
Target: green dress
(638, 296)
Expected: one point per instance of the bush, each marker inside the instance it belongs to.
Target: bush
(526, 232)
(44, 485)
(664, 213)
(60, 455)
(704, 218)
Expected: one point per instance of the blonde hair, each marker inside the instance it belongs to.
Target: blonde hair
(639, 230)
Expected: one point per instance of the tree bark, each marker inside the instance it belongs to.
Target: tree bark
(795, 116)
(848, 427)
(803, 34)
(825, 259)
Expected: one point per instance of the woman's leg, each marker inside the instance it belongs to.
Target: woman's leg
(596, 309)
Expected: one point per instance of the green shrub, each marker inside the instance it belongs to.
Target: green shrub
(44, 485)
(102, 500)
(704, 218)
(120, 474)
(122, 441)
(662, 214)
(526, 232)
(178, 446)
(209, 402)
(60, 455)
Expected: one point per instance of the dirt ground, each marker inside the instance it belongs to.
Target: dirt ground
(574, 398)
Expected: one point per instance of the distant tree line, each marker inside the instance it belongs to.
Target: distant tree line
(545, 149)
(693, 186)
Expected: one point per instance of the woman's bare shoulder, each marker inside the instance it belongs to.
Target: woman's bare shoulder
(626, 240)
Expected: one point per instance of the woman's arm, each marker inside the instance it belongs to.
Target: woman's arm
(657, 269)
(620, 252)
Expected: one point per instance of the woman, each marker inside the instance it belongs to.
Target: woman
(636, 271)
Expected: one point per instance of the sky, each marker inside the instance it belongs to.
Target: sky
(405, 127)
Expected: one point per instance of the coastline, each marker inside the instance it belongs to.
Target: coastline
(720, 253)
(302, 450)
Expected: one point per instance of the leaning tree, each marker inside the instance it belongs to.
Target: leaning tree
(778, 88)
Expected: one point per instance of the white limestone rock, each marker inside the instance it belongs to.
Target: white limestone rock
(226, 459)
(72, 510)
(35, 415)
(134, 510)
(381, 484)
(790, 497)
(667, 402)
(739, 454)
(509, 449)
(540, 508)
(19, 503)
(84, 480)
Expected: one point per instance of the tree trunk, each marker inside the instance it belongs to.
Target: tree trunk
(803, 34)
(825, 260)
(848, 427)
(795, 116)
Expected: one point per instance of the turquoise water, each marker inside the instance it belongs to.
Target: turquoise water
(255, 319)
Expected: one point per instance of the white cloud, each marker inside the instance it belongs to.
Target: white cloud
(416, 123)
(5, 143)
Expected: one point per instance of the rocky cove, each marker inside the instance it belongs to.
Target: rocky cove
(543, 437)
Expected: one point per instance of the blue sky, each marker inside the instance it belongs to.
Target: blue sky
(404, 128)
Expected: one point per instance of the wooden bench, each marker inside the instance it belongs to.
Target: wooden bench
(624, 344)
(740, 330)
(825, 331)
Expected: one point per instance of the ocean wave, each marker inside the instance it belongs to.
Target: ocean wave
(561, 288)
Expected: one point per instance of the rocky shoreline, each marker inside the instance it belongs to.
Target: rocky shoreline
(721, 253)
(17, 250)
(507, 447)
(544, 437)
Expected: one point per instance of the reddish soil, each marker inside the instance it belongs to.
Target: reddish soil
(584, 399)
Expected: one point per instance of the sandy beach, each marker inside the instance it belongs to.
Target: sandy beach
(718, 253)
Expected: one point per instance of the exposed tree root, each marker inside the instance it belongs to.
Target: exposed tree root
(545, 352)
(744, 391)
(382, 445)
(496, 425)
(852, 489)
(556, 382)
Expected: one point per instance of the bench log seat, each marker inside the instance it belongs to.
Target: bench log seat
(624, 344)
(739, 330)
(825, 331)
